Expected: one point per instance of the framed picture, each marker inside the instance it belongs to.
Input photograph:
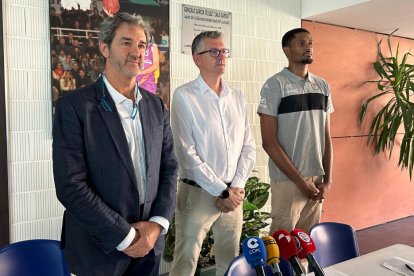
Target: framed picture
(75, 57)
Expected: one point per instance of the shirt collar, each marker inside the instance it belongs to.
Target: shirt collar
(205, 88)
(118, 97)
(310, 77)
(296, 78)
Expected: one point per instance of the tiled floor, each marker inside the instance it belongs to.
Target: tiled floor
(380, 236)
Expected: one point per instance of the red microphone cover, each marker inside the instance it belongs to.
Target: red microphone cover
(304, 243)
(286, 244)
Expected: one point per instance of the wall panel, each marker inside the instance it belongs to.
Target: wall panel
(367, 190)
(34, 209)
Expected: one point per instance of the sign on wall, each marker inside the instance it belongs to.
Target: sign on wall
(199, 19)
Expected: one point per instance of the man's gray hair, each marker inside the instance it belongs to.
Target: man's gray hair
(197, 44)
(111, 24)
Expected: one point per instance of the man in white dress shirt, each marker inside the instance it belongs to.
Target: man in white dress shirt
(216, 153)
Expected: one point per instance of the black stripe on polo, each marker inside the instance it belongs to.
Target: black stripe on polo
(303, 102)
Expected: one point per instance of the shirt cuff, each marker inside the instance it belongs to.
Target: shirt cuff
(238, 182)
(218, 188)
(161, 221)
(127, 241)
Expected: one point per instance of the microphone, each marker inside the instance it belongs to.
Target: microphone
(288, 250)
(272, 251)
(306, 247)
(255, 253)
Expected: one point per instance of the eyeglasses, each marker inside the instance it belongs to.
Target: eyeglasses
(216, 52)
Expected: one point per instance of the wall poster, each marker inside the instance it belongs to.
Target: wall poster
(75, 56)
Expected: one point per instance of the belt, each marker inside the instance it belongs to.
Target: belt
(193, 183)
(190, 182)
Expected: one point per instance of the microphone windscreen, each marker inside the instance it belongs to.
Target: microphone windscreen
(254, 251)
(272, 250)
(304, 243)
(287, 246)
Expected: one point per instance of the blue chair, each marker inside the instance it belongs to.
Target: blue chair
(33, 258)
(240, 267)
(335, 243)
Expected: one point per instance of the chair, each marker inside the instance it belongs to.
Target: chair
(240, 267)
(33, 258)
(335, 243)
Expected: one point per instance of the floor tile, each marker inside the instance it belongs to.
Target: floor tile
(380, 236)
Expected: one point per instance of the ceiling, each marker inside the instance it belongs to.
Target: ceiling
(380, 16)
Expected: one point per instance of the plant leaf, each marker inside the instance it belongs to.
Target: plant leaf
(396, 78)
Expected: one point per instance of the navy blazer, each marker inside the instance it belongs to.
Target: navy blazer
(95, 179)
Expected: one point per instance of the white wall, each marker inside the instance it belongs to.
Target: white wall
(34, 209)
(35, 212)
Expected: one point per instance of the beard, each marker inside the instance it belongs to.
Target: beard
(307, 60)
(123, 67)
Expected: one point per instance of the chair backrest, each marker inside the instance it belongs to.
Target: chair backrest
(33, 258)
(335, 243)
(240, 267)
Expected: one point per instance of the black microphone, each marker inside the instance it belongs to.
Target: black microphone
(288, 250)
(306, 247)
(255, 253)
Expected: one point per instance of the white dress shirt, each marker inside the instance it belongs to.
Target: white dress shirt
(213, 142)
(133, 132)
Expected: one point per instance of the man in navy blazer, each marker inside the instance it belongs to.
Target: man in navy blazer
(113, 163)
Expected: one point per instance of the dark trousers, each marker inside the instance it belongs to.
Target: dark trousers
(146, 266)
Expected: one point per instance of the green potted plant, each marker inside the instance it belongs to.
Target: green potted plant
(254, 220)
(396, 85)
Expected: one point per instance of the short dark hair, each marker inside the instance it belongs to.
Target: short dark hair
(198, 40)
(111, 24)
(287, 37)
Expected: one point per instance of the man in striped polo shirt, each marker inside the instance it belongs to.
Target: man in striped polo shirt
(294, 117)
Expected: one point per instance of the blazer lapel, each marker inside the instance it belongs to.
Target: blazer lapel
(144, 114)
(113, 123)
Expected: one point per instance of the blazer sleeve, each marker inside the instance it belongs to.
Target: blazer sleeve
(105, 226)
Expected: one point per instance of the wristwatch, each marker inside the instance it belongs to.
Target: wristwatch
(225, 194)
